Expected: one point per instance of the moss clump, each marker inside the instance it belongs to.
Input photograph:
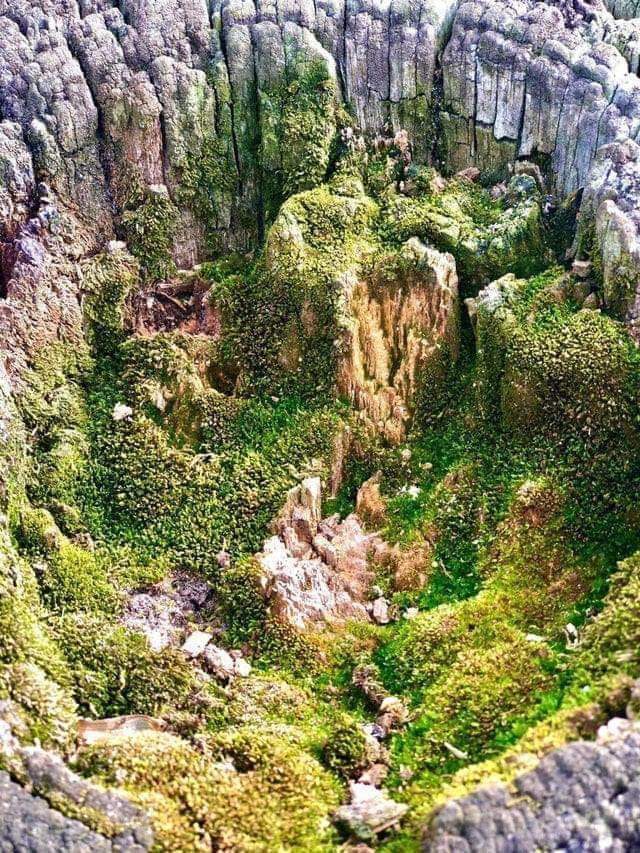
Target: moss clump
(282, 318)
(33, 672)
(242, 601)
(546, 366)
(70, 577)
(289, 320)
(174, 377)
(46, 708)
(195, 803)
(110, 281)
(148, 222)
(187, 501)
(480, 669)
(610, 643)
(298, 124)
(486, 237)
(114, 671)
(74, 578)
(345, 751)
(476, 698)
(265, 698)
(52, 408)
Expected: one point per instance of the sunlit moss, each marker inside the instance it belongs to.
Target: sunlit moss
(195, 802)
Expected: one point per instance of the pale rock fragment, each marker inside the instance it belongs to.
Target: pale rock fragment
(196, 643)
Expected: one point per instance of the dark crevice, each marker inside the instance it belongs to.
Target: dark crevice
(257, 141)
(6, 263)
(232, 111)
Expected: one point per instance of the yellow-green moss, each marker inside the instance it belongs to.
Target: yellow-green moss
(277, 798)
(488, 238)
(546, 366)
(46, 708)
(149, 222)
(610, 645)
(297, 124)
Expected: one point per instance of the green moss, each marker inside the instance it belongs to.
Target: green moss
(546, 366)
(195, 803)
(487, 237)
(242, 601)
(191, 505)
(69, 576)
(207, 171)
(609, 645)
(33, 672)
(266, 698)
(149, 222)
(47, 710)
(345, 751)
(110, 281)
(482, 671)
(283, 317)
(114, 671)
(524, 461)
(297, 126)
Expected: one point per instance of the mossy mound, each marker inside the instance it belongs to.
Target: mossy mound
(143, 454)
(546, 364)
(487, 236)
(274, 796)
(609, 646)
(113, 671)
(285, 317)
(474, 667)
(33, 671)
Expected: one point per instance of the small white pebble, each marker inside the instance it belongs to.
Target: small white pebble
(121, 412)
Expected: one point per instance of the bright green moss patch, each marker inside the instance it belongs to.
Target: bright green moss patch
(188, 505)
(448, 658)
(33, 671)
(609, 645)
(510, 501)
(298, 124)
(346, 750)
(548, 366)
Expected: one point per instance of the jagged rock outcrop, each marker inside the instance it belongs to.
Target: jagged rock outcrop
(394, 330)
(110, 100)
(316, 572)
(610, 226)
(41, 243)
(518, 81)
(186, 94)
